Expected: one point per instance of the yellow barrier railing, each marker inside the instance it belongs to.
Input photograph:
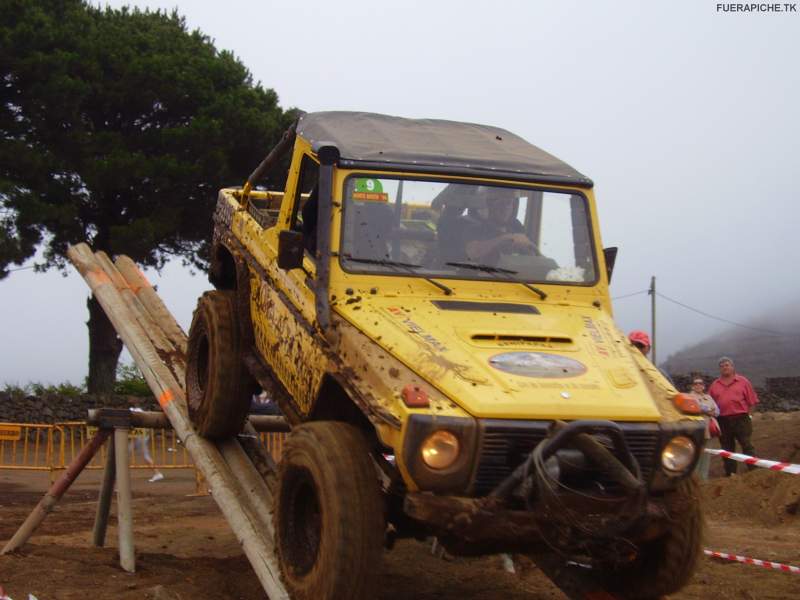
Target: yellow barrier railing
(26, 446)
(163, 447)
(51, 448)
(273, 442)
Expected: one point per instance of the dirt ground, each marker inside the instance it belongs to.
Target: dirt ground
(186, 551)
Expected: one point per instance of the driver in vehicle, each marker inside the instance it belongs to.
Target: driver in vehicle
(499, 233)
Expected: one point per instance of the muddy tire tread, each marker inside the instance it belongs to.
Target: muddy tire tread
(348, 564)
(672, 559)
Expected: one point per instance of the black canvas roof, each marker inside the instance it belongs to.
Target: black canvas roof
(372, 141)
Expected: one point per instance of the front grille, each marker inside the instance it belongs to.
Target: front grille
(506, 443)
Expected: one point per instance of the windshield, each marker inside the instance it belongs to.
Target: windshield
(465, 231)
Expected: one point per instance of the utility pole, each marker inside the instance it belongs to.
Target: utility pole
(652, 292)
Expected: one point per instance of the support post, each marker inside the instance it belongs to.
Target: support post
(127, 556)
(104, 501)
(652, 292)
(56, 491)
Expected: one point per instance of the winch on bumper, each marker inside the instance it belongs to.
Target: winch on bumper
(507, 485)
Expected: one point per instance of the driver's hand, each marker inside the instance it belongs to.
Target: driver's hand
(521, 242)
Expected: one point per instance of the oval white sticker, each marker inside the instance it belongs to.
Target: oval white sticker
(537, 364)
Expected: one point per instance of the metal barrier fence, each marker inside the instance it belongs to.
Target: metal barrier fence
(50, 448)
(26, 446)
(273, 442)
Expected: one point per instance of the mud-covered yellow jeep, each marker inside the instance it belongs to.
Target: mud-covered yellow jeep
(427, 303)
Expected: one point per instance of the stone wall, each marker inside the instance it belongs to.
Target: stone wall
(783, 386)
(779, 394)
(53, 408)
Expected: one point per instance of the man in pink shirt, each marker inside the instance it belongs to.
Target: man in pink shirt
(735, 398)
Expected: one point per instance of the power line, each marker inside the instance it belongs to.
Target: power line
(21, 268)
(629, 295)
(716, 318)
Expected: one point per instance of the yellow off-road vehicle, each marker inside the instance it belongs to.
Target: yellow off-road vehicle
(427, 302)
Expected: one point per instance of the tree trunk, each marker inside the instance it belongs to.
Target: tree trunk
(104, 350)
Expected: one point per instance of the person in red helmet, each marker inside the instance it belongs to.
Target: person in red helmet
(642, 341)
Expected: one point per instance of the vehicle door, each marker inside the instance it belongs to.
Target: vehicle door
(284, 320)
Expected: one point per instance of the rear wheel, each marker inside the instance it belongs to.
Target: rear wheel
(666, 564)
(329, 521)
(218, 387)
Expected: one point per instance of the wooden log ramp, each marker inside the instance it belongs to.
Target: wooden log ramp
(158, 345)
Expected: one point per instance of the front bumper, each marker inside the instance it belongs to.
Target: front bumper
(478, 526)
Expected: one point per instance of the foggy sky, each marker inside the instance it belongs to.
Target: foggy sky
(686, 119)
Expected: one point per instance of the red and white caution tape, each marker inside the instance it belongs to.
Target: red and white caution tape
(772, 465)
(753, 561)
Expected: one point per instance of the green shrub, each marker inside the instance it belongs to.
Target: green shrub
(130, 381)
(40, 389)
(14, 390)
(62, 389)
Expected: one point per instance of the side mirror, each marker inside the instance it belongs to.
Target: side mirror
(611, 258)
(290, 249)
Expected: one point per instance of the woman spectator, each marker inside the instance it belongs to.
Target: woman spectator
(710, 411)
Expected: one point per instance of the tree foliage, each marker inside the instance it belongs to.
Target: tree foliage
(131, 382)
(118, 127)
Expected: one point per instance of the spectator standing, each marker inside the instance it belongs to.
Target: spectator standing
(735, 397)
(3, 595)
(710, 410)
(262, 404)
(140, 441)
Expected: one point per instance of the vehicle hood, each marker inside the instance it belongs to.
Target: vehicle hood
(512, 360)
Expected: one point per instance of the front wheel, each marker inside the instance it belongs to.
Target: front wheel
(666, 564)
(329, 517)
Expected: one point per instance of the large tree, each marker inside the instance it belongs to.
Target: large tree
(118, 127)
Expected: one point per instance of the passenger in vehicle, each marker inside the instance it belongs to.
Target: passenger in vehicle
(499, 233)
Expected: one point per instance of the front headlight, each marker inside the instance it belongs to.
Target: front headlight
(440, 449)
(678, 454)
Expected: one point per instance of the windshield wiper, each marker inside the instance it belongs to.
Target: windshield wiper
(484, 268)
(490, 269)
(393, 263)
(381, 261)
(541, 293)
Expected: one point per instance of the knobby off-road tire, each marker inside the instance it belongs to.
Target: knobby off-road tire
(218, 387)
(329, 517)
(666, 564)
